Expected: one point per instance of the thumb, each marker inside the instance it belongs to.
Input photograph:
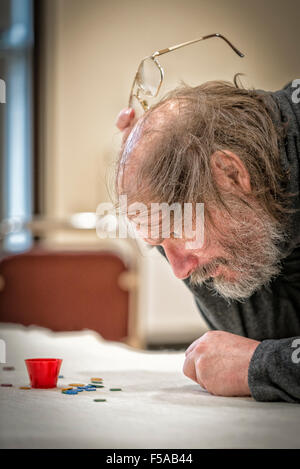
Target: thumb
(125, 118)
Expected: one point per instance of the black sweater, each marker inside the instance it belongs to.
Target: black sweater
(272, 314)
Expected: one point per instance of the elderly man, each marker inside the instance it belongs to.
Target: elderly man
(238, 152)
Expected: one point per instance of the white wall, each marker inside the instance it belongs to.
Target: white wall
(92, 50)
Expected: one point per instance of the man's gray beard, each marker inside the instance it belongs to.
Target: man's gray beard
(254, 252)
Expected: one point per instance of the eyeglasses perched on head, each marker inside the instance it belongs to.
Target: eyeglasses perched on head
(150, 74)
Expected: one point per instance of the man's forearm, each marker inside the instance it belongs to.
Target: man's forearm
(274, 370)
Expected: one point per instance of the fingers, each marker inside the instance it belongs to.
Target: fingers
(191, 347)
(125, 119)
(189, 368)
(197, 364)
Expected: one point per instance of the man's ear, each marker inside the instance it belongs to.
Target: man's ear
(230, 172)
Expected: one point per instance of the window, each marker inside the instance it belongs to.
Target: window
(16, 65)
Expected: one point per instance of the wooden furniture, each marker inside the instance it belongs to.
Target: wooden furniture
(69, 291)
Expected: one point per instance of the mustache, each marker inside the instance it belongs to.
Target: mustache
(204, 272)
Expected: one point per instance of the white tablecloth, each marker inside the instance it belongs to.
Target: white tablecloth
(158, 406)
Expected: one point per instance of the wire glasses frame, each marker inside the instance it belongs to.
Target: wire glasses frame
(141, 86)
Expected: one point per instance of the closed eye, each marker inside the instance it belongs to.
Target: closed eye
(153, 242)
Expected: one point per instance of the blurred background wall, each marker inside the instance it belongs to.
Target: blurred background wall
(88, 54)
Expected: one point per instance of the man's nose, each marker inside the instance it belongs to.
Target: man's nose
(182, 261)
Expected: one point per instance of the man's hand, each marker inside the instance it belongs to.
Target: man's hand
(125, 122)
(219, 362)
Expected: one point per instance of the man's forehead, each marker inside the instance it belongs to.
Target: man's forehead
(147, 129)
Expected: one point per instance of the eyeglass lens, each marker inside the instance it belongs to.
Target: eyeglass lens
(149, 77)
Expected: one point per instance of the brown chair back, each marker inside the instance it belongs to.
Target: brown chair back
(65, 291)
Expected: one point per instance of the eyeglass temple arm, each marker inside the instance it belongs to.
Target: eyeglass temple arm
(178, 46)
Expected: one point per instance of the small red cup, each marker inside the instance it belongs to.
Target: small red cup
(43, 372)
